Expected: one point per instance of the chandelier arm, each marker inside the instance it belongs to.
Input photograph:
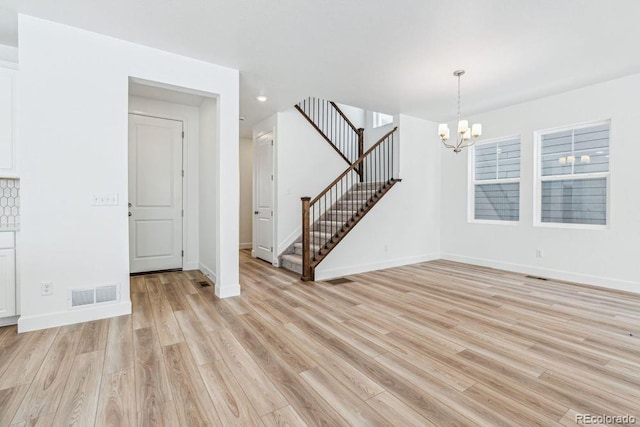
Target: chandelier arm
(467, 145)
(447, 145)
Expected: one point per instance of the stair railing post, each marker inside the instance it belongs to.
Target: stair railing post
(306, 240)
(361, 152)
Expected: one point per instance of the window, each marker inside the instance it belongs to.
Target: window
(381, 119)
(573, 175)
(495, 181)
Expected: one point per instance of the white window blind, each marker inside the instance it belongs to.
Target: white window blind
(574, 173)
(496, 181)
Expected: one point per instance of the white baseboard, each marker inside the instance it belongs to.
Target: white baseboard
(567, 276)
(227, 291)
(187, 266)
(246, 245)
(62, 318)
(364, 268)
(207, 272)
(224, 292)
(6, 321)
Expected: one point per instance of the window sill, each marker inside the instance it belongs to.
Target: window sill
(492, 222)
(571, 226)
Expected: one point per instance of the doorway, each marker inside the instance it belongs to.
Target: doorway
(155, 193)
(263, 202)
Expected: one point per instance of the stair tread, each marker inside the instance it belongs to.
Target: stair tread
(299, 244)
(293, 258)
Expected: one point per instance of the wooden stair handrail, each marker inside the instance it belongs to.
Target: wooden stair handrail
(297, 107)
(353, 166)
(346, 119)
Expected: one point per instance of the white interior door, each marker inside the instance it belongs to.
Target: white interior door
(155, 193)
(263, 207)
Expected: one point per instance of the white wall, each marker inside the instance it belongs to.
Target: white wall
(355, 115)
(72, 127)
(306, 164)
(246, 193)
(207, 187)
(599, 257)
(190, 117)
(373, 135)
(403, 227)
(8, 53)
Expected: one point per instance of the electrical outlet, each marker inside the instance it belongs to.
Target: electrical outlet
(539, 253)
(46, 288)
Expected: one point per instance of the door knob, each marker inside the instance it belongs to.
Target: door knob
(129, 213)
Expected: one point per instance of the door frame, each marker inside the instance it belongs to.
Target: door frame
(274, 227)
(184, 153)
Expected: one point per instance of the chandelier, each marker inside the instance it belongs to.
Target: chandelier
(465, 133)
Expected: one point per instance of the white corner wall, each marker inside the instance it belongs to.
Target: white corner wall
(72, 141)
(8, 54)
(605, 258)
(404, 227)
(207, 189)
(246, 193)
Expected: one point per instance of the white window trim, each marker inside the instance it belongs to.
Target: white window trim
(376, 119)
(471, 183)
(538, 178)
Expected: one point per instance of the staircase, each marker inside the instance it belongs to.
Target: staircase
(330, 216)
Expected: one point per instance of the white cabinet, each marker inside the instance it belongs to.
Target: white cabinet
(7, 121)
(7, 275)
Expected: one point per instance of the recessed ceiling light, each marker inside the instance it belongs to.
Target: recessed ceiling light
(261, 98)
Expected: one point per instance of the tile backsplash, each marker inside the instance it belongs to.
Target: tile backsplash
(9, 203)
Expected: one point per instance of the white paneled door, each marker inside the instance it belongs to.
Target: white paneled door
(263, 214)
(155, 193)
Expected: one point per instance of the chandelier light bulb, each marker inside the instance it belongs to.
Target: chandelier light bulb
(443, 128)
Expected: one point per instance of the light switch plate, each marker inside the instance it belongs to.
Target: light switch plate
(105, 199)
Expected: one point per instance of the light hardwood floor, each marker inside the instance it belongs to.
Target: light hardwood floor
(431, 344)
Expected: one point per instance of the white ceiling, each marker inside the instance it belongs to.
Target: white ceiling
(391, 56)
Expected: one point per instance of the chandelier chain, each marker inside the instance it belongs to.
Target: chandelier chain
(459, 97)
